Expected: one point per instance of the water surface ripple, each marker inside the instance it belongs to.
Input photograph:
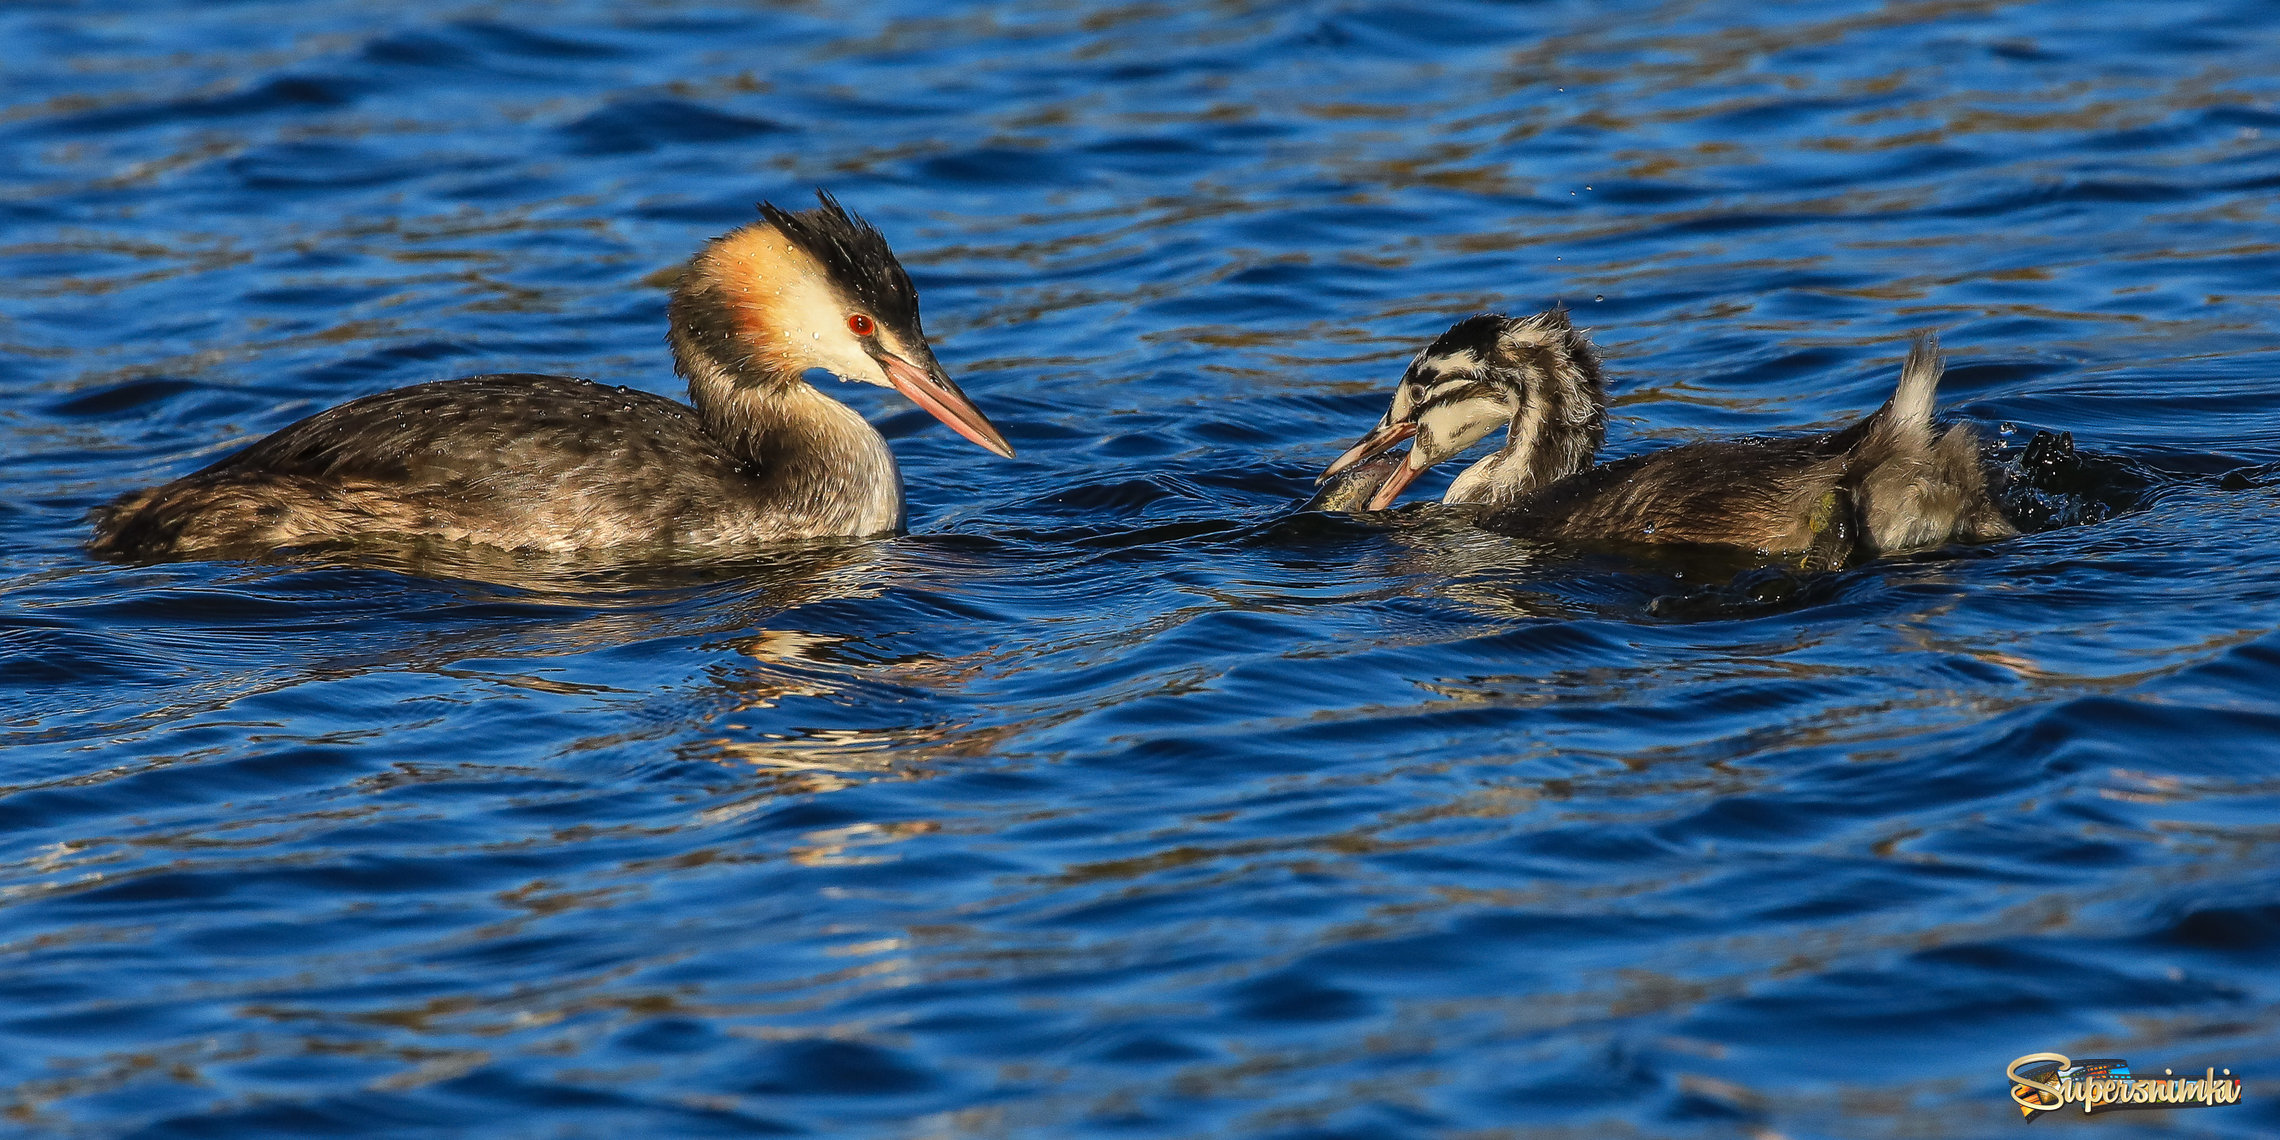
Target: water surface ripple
(1119, 799)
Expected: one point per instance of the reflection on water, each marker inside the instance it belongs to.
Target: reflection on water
(1123, 797)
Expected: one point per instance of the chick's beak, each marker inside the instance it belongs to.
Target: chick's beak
(1391, 489)
(1380, 439)
(930, 388)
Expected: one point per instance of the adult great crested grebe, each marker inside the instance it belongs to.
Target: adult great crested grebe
(1888, 483)
(555, 463)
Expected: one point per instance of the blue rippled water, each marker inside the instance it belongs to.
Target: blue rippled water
(1120, 798)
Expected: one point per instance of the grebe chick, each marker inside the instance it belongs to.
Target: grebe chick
(556, 463)
(1888, 483)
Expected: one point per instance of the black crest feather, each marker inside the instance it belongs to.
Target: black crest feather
(1484, 334)
(1475, 334)
(855, 254)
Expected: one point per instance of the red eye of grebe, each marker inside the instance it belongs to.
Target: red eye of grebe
(861, 325)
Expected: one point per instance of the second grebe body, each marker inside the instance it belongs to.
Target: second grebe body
(1890, 482)
(556, 463)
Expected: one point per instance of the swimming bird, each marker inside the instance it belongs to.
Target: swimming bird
(1888, 483)
(556, 463)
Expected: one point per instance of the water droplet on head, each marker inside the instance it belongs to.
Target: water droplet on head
(1650, 528)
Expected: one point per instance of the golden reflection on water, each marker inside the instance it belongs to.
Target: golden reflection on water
(784, 665)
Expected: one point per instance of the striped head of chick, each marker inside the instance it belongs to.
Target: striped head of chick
(1537, 376)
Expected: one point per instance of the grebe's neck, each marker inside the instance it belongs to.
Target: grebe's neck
(1559, 424)
(810, 456)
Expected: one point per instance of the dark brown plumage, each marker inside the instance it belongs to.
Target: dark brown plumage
(557, 463)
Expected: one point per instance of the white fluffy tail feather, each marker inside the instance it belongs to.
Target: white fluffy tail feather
(1919, 384)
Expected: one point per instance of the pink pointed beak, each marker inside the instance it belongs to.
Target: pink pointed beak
(930, 389)
(1391, 489)
(1380, 439)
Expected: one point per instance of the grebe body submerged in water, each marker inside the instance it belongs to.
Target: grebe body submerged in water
(1888, 483)
(556, 463)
